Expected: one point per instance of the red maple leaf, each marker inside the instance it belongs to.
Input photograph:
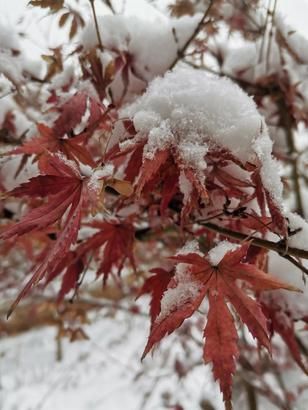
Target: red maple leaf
(156, 285)
(117, 239)
(167, 172)
(264, 198)
(73, 111)
(69, 192)
(72, 266)
(202, 277)
(280, 322)
(80, 110)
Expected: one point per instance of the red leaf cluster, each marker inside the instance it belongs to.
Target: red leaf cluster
(220, 284)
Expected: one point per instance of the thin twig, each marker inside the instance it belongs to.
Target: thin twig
(264, 31)
(287, 122)
(181, 52)
(270, 36)
(96, 24)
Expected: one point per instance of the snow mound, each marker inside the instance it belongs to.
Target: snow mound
(194, 112)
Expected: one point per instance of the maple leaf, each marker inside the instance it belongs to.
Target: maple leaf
(117, 239)
(161, 172)
(73, 111)
(80, 114)
(216, 278)
(153, 171)
(169, 173)
(73, 267)
(280, 322)
(156, 285)
(264, 198)
(231, 184)
(70, 278)
(69, 192)
(103, 75)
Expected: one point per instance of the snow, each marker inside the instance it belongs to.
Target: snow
(106, 171)
(193, 154)
(85, 170)
(29, 375)
(100, 373)
(8, 37)
(207, 107)
(71, 164)
(299, 239)
(250, 62)
(160, 137)
(143, 39)
(10, 66)
(175, 298)
(84, 119)
(13, 59)
(186, 287)
(190, 247)
(95, 183)
(217, 253)
(297, 43)
(208, 112)
(64, 77)
(288, 58)
(98, 175)
(293, 302)
(271, 169)
(185, 187)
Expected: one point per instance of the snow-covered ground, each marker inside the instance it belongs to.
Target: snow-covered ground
(103, 372)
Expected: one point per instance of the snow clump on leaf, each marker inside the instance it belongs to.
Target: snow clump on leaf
(196, 113)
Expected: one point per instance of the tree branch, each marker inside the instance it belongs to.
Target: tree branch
(181, 51)
(279, 247)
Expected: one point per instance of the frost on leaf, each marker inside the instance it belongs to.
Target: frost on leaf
(215, 276)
